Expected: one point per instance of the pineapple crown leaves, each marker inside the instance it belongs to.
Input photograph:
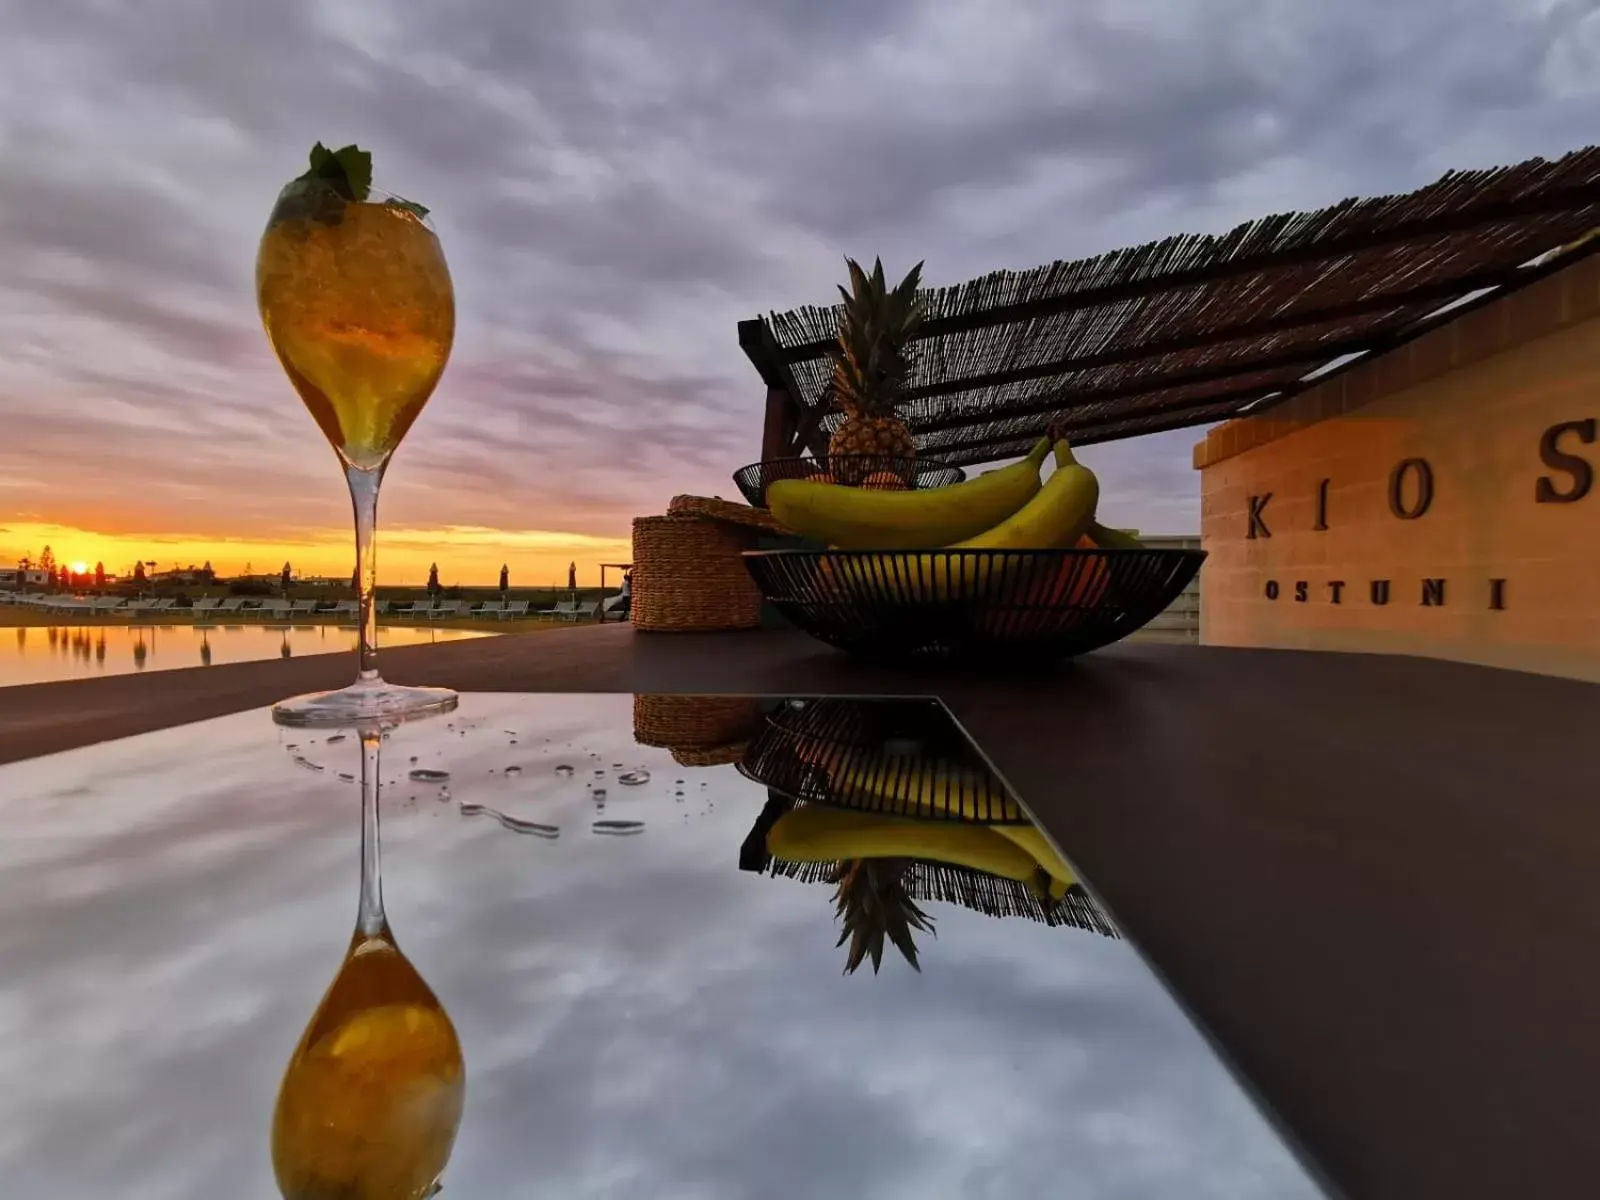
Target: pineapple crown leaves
(871, 902)
(348, 171)
(876, 326)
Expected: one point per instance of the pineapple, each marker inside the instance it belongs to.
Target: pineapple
(870, 368)
(872, 903)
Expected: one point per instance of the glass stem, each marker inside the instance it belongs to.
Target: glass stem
(364, 499)
(371, 919)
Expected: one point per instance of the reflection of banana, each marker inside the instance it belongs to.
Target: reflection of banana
(868, 519)
(1054, 519)
(940, 790)
(1042, 852)
(814, 834)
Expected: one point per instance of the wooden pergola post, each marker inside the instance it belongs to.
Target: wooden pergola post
(777, 435)
(789, 429)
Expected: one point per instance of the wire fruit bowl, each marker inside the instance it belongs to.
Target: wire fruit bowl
(870, 471)
(989, 604)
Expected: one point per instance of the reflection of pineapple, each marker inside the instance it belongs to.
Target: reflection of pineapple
(871, 901)
(870, 368)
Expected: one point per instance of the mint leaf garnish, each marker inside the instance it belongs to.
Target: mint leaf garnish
(347, 170)
(410, 206)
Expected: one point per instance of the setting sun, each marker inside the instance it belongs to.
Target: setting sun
(78, 568)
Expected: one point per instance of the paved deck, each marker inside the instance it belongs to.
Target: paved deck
(1373, 879)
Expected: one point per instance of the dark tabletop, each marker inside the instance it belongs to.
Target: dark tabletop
(639, 1014)
(1371, 878)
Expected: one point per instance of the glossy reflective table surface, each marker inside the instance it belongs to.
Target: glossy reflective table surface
(656, 1006)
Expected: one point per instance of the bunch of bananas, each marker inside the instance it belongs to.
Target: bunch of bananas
(1006, 509)
(815, 833)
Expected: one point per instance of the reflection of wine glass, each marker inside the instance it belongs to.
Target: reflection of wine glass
(357, 302)
(372, 1097)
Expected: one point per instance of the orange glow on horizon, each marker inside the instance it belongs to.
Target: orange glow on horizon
(467, 555)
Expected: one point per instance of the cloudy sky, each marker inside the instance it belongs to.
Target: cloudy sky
(638, 1016)
(616, 185)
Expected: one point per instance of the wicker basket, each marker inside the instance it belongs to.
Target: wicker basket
(701, 731)
(687, 571)
(677, 722)
(719, 509)
(716, 756)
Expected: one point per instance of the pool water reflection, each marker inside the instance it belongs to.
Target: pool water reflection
(45, 654)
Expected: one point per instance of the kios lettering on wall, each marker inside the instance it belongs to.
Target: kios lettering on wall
(1569, 479)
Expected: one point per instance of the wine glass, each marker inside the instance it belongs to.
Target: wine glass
(372, 1097)
(356, 299)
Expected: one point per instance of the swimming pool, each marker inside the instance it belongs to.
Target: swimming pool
(44, 654)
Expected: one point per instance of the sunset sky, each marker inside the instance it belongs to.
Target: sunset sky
(616, 186)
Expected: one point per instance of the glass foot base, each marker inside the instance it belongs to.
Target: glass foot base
(364, 702)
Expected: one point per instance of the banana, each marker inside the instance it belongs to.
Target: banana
(850, 518)
(1113, 539)
(813, 834)
(1055, 518)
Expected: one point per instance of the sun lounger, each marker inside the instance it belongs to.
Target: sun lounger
(204, 605)
(513, 610)
(275, 608)
(301, 607)
(232, 606)
(564, 610)
(108, 604)
(446, 608)
(418, 608)
(580, 611)
(345, 608)
(489, 608)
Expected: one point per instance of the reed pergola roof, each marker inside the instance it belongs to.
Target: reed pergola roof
(1199, 328)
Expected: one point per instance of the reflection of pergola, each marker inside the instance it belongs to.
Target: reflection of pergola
(1192, 330)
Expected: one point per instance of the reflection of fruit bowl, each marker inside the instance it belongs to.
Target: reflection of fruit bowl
(1015, 604)
(904, 758)
(870, 471)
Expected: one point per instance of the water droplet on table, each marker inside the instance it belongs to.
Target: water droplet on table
(618, 827)
(428, 775)
(347, 777)
(413, 758)
(307, 763)
(515, 824)
(599, 795)
(564, 771)
(338, 737)
(633, 778)
(513, 770)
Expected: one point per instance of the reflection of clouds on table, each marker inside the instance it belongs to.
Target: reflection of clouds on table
(638, 1015)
